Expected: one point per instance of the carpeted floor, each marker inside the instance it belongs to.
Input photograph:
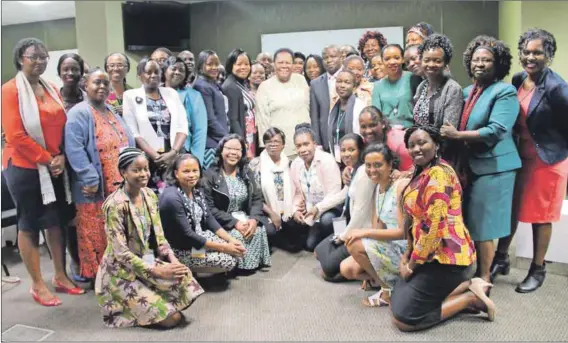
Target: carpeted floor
(290, 302)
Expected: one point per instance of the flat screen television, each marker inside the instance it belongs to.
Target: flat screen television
(151, 24)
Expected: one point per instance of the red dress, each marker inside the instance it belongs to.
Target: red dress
(90, 218)
(540, 188)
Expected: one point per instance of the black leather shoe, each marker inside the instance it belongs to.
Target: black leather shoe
(534, 279)
(501, 265)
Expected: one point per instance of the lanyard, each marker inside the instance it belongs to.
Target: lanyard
(307, 176)
(339, 122)
(110, 122)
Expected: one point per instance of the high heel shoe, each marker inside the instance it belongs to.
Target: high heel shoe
(60, 288)
(53, 302)
(476, 287)
(500, 265)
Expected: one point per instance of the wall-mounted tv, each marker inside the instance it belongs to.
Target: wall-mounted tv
(151, 24)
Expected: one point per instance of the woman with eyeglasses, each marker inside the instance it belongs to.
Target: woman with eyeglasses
(235, 200)
(488, 158)
(33, 119)
(94, 136)
(117, 65)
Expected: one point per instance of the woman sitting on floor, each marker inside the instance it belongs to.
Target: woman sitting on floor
(317, 180)
(236, 201)
(197, 239)
(434, 284)
(140, 282)
(376, 252)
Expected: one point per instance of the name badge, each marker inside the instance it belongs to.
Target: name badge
(149, 258)
(339, 225)
(198, 253)
(337, 153)
(161, 144)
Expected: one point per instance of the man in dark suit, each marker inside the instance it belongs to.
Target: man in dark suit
(323, 94)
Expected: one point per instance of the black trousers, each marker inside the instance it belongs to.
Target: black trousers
(321, 229)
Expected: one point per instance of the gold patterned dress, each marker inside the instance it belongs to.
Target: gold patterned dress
(127, 292)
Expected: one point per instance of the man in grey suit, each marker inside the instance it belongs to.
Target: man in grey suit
(322, 92)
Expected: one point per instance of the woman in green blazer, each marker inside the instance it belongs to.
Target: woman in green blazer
(489, 152)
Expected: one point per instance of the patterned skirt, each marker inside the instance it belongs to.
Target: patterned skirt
(258, 250)
(385, 257)
(91, 237)
(145, 301)
(212, 259)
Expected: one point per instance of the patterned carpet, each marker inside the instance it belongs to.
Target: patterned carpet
(290, 302)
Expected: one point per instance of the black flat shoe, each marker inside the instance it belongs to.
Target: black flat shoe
(501, 265)
(534, 279)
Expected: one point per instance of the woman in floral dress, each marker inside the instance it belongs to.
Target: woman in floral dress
(93, 138)
(140, 282)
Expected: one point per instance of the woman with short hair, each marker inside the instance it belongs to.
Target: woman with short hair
(117, 65)
(313, 68)
(370, 44)
(363, 88)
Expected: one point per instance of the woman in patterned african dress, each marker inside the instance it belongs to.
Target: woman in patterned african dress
(140, 281)
(94, 135)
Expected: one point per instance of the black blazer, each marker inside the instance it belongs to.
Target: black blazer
(217, 195)
(547, 117)
(237, 109)
(217, 127)
(319, 109)
(179, 231)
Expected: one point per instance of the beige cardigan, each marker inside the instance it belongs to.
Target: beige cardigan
(329, 176)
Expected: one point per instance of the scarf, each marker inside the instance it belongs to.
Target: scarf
(29, 112)
(267, 171)
(469, 104)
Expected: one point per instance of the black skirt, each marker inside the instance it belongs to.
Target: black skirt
(32, 214)
(330, 255)
(418, 300)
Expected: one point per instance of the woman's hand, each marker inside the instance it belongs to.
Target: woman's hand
(57, 165)
(242, 227)
(313, 212)
(353, 235)
(404, 270)
(234, 249)
(251, 228)
(276, 220)
(170, 271)
(299, 217)
(449, 131)
(90, 191)
(346, 175)
(166, 158)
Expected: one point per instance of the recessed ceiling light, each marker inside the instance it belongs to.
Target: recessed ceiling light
(33, 3)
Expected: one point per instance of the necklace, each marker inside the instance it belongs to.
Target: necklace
(528, 92)
(384, 197)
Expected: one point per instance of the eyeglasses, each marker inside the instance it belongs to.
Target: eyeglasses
(37, 58)
(232, 149)
(482, 61)
(116, 66)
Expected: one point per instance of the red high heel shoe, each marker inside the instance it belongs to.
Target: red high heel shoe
(60, 288)
(53, 302)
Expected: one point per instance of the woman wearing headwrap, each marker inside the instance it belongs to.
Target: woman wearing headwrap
(140, 282)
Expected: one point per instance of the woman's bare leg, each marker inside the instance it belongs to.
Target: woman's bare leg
(28, 244)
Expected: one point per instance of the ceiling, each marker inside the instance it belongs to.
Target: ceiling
(19, 12)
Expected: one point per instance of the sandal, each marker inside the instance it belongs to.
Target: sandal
(11, 279)
(476, 287)
(376, 300)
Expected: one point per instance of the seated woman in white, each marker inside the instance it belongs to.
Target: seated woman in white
(157, 119)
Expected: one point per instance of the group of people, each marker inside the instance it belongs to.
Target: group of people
(373, 158)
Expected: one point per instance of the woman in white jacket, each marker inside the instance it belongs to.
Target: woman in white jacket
(157, 119)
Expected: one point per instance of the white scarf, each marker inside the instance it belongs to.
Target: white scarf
(29, 112)
(267, 169)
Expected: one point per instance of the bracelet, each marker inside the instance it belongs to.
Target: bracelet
(409, 269)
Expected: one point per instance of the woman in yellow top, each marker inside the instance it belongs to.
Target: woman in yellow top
(434, 284)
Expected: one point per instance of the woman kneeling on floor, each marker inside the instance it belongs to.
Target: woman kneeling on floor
(434, 284)
(376, 252)
(140, 282)
(197, 239)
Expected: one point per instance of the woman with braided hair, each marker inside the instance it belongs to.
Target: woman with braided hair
(140, 282)
(435, 268)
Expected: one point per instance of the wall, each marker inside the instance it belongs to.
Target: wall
(56, 34)
(240, 24)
